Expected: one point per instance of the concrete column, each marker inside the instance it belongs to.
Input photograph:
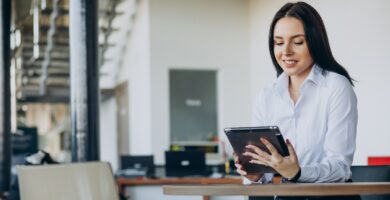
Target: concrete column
(5, 103)
(84, 73)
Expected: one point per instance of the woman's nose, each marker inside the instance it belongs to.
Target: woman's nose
(287, 50)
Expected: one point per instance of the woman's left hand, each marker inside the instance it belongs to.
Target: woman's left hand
(287, 166)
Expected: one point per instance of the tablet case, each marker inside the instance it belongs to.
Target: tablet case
(239, 137)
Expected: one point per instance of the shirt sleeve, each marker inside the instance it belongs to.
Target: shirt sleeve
(340, 139)
(267, 178)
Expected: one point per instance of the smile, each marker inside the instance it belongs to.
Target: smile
(289, 62)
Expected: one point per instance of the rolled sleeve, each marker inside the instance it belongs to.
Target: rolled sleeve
(267, 178)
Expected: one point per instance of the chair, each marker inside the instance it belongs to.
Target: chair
(364, 174)
(378, 160)
(371, 174)
(79, 181)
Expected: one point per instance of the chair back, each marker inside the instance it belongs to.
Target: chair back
(76, 181)
(371, 174)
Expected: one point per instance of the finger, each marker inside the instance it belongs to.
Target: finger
(269, 146)
(253, 155)
(241, 172)
(291, 150)
(264, 161)
(260, 152)
(258, 157)
(253, 147)
(259, 162)
(236, 159)
(275, 156)
(257, 150)
(261, 155)
(238, 166)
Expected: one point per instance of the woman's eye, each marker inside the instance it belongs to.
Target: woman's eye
(299, 42)
(278, 43)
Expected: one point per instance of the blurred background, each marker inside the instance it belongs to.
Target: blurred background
(172, 74)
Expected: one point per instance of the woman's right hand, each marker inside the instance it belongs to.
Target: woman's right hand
(252, 177)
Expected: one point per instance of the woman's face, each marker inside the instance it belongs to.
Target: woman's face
(290, 47)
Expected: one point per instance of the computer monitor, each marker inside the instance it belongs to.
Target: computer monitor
(185, 163)
(24, 141)
(138, 162)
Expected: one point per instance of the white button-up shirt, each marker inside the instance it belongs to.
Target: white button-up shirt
(321, 125)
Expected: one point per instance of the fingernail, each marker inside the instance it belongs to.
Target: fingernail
(288, 141)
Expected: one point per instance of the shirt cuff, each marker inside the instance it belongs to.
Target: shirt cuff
(267, 178)
(307, 174)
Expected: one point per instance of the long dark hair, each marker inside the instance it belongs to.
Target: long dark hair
(315, 35)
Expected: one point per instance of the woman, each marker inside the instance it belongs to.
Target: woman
(312, 101)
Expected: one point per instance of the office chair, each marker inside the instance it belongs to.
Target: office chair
(78, 181)
(371, 174)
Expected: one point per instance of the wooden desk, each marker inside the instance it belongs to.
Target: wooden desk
(123, 182)
(169, 181)
(301, 189)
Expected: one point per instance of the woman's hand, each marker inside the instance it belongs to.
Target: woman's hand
(287, 166)
(242, 172)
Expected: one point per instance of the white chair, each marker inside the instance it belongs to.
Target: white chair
(76, 181)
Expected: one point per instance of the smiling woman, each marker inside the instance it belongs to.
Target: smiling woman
(291, 52)
(312, 102)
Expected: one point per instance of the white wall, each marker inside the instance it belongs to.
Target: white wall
(231, 36)
(200, 34)
(359, 32)
(108, 132)
(136, 70)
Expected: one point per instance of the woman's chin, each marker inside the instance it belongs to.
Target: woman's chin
(290, 71)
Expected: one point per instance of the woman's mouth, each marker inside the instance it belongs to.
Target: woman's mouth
(289, 62)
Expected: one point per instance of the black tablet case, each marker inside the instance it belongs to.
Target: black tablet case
(241, 136)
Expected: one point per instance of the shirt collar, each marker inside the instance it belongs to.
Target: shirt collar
(314, 76)
(281, 82)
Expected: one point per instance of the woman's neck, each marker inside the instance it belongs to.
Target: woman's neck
(297, 80)
(295, 83)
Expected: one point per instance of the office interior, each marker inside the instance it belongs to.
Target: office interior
(165, 75)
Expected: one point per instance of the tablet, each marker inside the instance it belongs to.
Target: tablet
(239, 137)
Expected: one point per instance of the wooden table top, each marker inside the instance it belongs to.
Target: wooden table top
(289, 189)
(170, 181)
